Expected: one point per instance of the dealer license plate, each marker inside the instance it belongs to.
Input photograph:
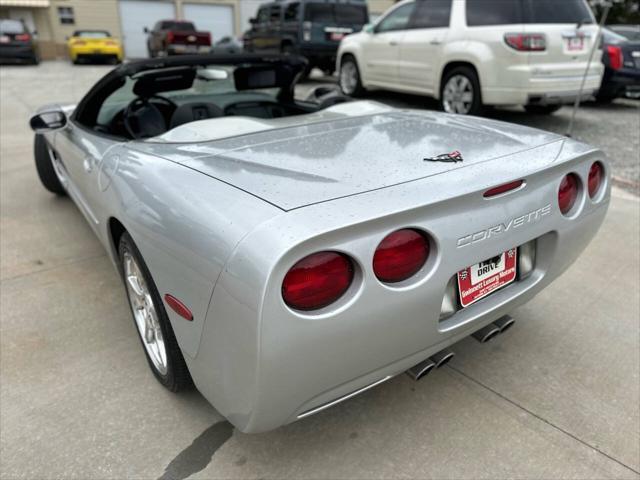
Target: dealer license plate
(337, 36)
(483, 278)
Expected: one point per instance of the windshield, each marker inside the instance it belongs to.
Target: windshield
(11, 26)
(91, 34)
(343, 14)
(212, 84)
(179, 26)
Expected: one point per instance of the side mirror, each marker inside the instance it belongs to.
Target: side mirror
(253, 21)
(48, 121)
(146, 30)
(368, 28)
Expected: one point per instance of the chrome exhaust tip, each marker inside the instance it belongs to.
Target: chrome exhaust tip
(442, 357)
(421, 369)
(504, 323)
(486, 333)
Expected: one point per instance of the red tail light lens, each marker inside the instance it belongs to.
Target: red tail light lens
(596, 174)
(317, 280)
(615, 57)
(568, 193)
(400, 255)
(526, 42)
(79, 42)
(23, 37)
(170, 37)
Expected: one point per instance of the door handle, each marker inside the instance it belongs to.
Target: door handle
(435, 41)
(393, 43)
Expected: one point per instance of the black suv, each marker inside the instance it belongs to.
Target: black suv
(312, 28)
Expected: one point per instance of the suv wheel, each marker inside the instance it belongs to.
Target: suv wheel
(349, 77)
(460, 92)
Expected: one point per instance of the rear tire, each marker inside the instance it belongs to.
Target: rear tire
(165, 359)
(460, 92)
(349, 77)
(542, 109)
(44, 166)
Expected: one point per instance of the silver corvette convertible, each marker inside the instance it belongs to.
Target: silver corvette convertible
(285, 255)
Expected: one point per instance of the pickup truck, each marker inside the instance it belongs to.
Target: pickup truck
(175, 37)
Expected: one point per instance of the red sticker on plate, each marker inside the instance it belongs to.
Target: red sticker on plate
(481, 279)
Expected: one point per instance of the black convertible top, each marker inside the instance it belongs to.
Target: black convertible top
(287, 68)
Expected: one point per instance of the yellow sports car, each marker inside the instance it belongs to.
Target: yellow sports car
(94, 45)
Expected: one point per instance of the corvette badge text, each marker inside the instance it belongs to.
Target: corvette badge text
(501, 228)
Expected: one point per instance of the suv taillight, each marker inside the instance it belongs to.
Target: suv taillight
(306, 31)
(317, 280)
(526, 42)
(170, 37)
(23, 37)
(615, 57)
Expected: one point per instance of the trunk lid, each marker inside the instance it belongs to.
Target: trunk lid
(294, 166)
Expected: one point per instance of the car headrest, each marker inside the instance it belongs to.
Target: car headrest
(166, 80)
(190, 112)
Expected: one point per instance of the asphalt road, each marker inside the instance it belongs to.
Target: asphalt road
(557, 396)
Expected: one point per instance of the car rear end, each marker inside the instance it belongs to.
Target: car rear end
(16, 43)
(552, 47)
(94, 46)
(325, 24)
(381, 260)
(621, 58)
(183, 38)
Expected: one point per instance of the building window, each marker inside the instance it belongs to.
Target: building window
(66, 16)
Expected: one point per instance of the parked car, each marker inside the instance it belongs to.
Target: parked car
(621, 58)
(630, 32)
(175, 37)
(312, 28)
(16, 43)
(94, 45)
(286, 256)
(471, 53)
(227, 45)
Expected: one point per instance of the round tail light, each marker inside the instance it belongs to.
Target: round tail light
(400, 255)
(317, 280)
(596, 174)
(568, 193)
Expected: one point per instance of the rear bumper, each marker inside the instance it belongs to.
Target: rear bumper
(188, 49)
(17, 53)
(521, 87)
(619, 82)
(263, 365)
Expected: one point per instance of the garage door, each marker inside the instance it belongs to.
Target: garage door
(135, 15)
(217, 19)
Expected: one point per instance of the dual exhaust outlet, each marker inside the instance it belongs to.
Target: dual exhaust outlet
(443, 356)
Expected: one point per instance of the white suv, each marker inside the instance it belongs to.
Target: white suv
(470, 53)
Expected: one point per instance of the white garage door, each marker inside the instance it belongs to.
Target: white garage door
(137, 14)
(216, 19)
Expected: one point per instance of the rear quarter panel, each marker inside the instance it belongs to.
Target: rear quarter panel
(184, 223)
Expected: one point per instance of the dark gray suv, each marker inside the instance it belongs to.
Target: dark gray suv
(312, 28)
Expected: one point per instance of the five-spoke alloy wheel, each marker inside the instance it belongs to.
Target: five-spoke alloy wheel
(151, 320)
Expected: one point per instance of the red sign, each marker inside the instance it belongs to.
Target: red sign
(481, 279)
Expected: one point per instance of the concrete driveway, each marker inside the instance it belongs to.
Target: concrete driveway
(557, 396)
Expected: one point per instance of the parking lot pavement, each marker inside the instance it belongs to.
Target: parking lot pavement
(557, 396)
